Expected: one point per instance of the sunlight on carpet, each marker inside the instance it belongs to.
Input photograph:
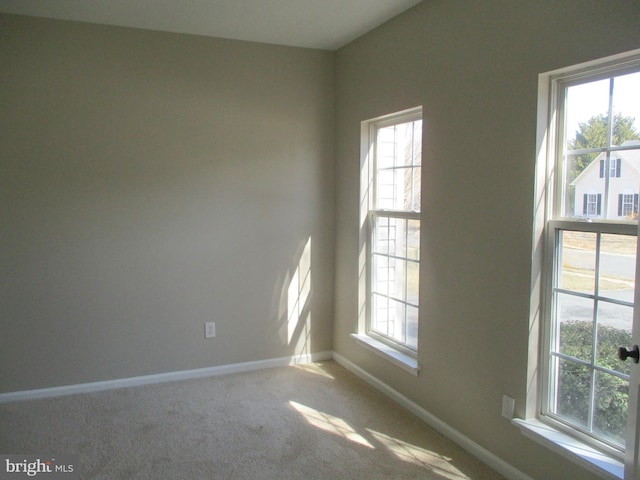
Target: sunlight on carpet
(400, 449)
(329, 423)
(419, 456)
(315, 369)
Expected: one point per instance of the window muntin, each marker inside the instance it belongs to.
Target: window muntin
(394, 230)
(588, 308)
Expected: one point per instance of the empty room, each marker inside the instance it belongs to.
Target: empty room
(319, 239)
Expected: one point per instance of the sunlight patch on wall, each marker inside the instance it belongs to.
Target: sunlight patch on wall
(298, 292)
(419, 456)
(329, 423)
(301, 340)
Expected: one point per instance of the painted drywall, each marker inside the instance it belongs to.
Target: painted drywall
(473, 67)
(152, 182)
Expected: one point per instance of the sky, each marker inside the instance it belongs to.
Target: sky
(590, 99)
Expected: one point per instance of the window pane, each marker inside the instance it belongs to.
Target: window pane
(610, 410)
(413, 282)
(386, 189)
(381, 233)
(407, 143)
(413, 239)
(390, 236)
(398, 160)
(412, 189)
(417, 142)
(595, 181)
(614, 331)
(412, 327)
(587, 104)
(397, 320)
(397, 237)
(397, 287)
(386, 154)
(584, 185)
(578, 261)
(574, 317)
(399, 189)
(617, 267)
(380, 315)
(383, 274)
(581, 306)
(573, 392)
(386, 148)
(395, 284)
(398, 244)
(626, 107)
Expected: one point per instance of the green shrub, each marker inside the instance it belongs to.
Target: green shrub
(574, 379)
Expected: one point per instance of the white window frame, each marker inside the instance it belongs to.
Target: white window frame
(596, 456)
(399, 354)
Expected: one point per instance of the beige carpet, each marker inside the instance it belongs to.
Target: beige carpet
(305, 422)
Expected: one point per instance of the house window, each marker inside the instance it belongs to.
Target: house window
(614, 167)
(592, 204)
(628, 205)
(587, 271)
(390, 231)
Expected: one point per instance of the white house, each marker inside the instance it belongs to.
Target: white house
(624, 185)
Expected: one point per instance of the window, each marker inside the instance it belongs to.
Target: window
(585, 254)
(592, 204)
(614, 167)
(390, 232)
(628, 205)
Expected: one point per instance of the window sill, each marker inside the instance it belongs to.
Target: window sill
(402, 360)
(595, 461)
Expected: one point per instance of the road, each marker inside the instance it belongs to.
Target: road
(610, 314)
(621, 266)
(621, 270)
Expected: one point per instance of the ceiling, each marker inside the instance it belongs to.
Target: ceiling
(323, 24)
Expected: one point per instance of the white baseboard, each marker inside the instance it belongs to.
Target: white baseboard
(163, 377)
(452, 434)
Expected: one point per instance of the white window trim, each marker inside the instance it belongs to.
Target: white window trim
(395, 356)
(568, 446)
(395, 353)
(599, 459)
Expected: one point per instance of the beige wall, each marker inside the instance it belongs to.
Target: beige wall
(151, 182)
(474, 67)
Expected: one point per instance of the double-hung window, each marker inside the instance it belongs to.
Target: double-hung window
(390, 231)
(588, 149)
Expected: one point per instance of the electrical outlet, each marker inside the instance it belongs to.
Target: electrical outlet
(508, 406)
(209, 329)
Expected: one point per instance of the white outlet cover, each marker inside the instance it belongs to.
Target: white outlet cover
(209, 329)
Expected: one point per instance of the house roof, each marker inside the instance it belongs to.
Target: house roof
(631, 157)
